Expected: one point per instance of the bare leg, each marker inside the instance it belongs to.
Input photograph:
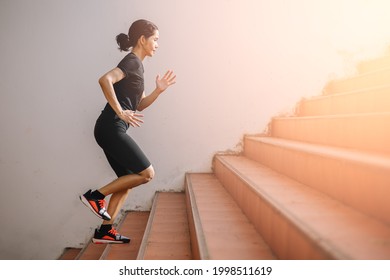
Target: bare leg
(128, 182)
(116, 201)
(120, 188)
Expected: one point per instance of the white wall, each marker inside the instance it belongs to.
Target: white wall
(239, 62)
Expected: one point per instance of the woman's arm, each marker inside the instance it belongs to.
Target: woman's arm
(161, 85)
(107, 82)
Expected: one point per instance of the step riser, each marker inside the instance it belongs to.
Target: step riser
(367, 132)
(285, 239)
(374, 100)
(374, 79)
(360, 186)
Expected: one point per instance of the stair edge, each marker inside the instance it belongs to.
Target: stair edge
(142, 248)
(194, 217)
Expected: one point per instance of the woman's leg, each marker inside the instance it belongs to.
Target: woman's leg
(127, 160)
(116, 201)
(120, 187)
(128, 182)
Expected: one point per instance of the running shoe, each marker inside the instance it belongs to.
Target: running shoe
(110, 236)
(97, 206)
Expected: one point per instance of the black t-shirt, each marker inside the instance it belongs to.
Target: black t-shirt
(129, 90)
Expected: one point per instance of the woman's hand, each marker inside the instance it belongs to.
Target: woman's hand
(167, 80)
(131, 117)
(161, 84)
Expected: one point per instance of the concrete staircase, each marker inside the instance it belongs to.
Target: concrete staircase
(317, 186)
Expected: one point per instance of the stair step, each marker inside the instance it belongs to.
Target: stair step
(219, 229)
(381, 62)
(360, 180)
(364, 81)
(354, 131)
(297, 221)
(93, 251)
(167, 235)
(70, 254)
(133, 226)
(370, 100)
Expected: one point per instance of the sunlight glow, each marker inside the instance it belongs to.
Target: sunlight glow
(361, 26)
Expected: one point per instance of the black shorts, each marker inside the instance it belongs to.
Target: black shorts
(122, 152)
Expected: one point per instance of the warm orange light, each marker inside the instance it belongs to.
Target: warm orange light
(361, 27)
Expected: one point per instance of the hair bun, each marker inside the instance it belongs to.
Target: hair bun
(123, 42)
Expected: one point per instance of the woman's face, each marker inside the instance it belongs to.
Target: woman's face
(150, 46)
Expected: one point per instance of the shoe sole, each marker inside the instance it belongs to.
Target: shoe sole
(103, 241)
(86, 203)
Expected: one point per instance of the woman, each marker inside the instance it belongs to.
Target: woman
(123, 87)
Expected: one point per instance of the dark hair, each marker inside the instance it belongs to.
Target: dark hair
(136, 30)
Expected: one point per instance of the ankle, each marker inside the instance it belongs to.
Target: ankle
(105, 227)
(97, 195)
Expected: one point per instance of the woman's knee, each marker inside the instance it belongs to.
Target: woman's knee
(148, 174)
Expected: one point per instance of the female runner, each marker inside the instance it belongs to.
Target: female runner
(123, 87)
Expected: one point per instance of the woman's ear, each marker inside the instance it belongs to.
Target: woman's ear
(142, 40)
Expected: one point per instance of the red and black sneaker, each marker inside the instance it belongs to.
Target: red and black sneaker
(110, 236)
(97, 206)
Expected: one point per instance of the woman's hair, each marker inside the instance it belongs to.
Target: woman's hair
(136, 30)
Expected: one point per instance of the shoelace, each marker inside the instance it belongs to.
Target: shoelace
(113, 231)
(101, 203)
